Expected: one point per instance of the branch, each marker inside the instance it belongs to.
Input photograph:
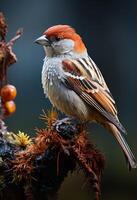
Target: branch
(7, 58)
(16, 37)
(45, 162)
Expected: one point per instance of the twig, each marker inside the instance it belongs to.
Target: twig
(17, 36)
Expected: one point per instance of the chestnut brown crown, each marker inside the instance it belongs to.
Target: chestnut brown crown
(66, 32)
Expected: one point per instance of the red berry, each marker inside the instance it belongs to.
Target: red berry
(8, 92)
(9, 107)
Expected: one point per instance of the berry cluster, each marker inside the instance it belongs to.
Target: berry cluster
(8, 94)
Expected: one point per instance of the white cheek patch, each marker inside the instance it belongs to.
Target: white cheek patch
(64, 46)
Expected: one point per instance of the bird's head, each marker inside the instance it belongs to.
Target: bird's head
(61, 39)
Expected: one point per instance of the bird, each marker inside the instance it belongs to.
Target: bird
(75, 85)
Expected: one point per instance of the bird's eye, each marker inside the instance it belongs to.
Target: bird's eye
(55, 39)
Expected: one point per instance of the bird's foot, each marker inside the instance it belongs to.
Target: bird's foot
(58, 123)
(66, 127)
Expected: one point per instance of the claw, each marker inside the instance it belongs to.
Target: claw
(58, 123)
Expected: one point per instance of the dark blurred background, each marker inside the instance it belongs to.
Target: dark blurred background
(109, 28)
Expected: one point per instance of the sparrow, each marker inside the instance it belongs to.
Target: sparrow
(75, 85)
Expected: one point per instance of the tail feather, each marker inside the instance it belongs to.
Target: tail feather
(125, 147)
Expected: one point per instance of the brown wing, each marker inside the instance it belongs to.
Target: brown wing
(87, 81)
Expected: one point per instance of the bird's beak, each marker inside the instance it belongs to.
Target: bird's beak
(42, 41)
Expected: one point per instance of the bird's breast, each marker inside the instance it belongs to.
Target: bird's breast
(51, 76)
(60, 96)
